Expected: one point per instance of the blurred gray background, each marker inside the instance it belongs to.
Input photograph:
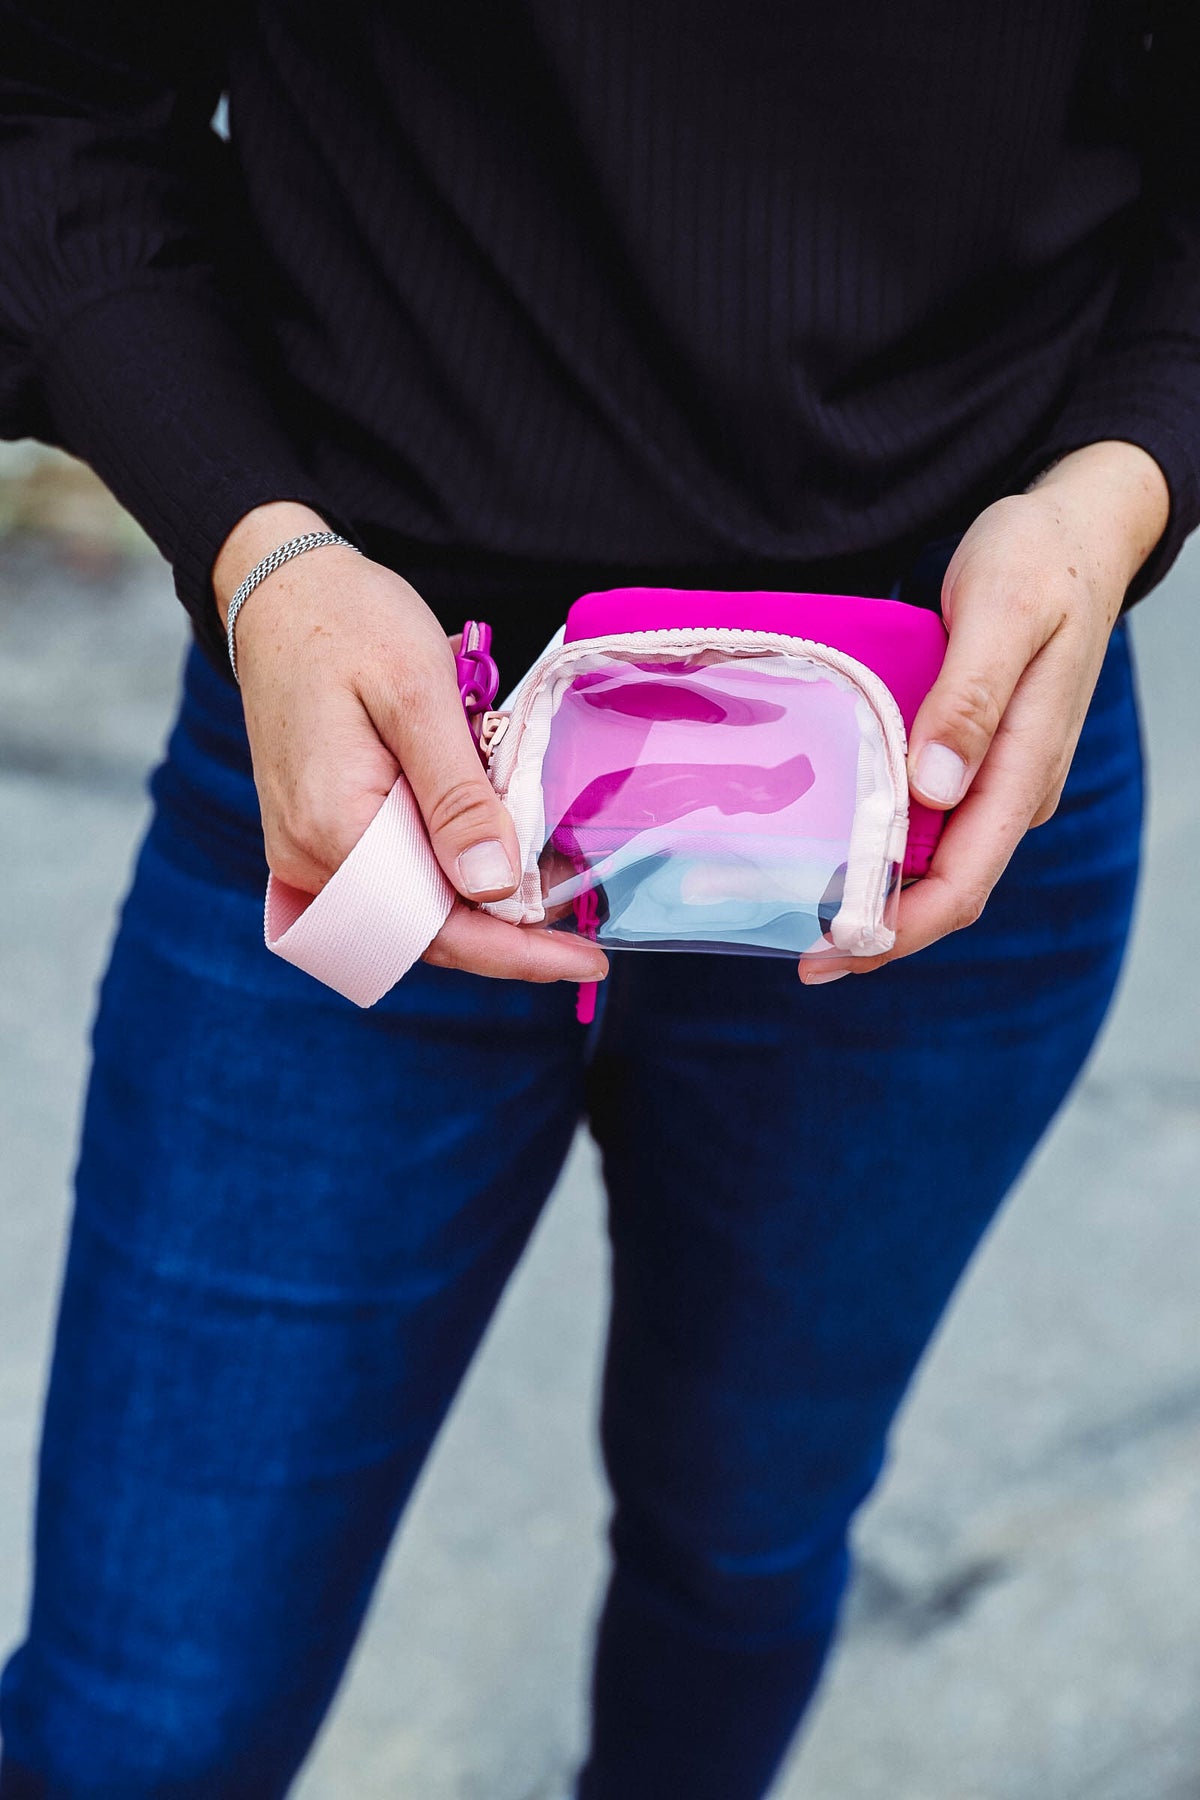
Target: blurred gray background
(1025, 1623)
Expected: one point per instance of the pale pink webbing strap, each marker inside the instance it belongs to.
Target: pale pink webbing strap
(375, 915)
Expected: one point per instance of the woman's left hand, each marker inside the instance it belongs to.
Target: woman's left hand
(1029, 600)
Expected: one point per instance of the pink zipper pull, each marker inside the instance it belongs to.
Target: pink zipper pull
(478, 676)
(587, 919)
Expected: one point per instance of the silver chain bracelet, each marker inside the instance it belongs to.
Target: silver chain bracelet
(308, 540)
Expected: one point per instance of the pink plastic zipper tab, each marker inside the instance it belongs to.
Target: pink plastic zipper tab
(587, 919)
(478, 676)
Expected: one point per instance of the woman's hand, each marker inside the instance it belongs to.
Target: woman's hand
(347, 678)
(1029, 600)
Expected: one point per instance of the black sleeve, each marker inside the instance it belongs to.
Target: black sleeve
(123, 335)
(1142, 382)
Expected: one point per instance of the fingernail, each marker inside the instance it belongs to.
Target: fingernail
(484, 867)
(941, 774)
(823, 975)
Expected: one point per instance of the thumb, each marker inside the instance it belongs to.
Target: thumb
(959, 716)
(473, 838)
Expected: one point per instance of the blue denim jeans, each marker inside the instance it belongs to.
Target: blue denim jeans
(294, 1219)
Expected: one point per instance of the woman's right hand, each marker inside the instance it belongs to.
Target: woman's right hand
(347, 678)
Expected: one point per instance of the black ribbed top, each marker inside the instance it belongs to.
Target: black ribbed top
(534, 294)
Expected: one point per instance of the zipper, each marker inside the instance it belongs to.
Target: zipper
(507, 728)
(502, 732)
(477, 675)
(492, 727)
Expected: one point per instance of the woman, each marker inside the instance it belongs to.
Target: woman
(525, 298)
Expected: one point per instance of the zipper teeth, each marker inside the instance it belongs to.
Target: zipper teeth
(875, 689)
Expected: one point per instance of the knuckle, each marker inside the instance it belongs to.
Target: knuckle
(973, 709)
(1027, 602)
(521, 960)
(284, 839)
(463, 803)
(413, 680)
(969, 907)
(1055, 787)
(867, 965)
(300, 842)
(529, 959)
(402, 690)
(296, 832)
(295, 869)
(326, 846)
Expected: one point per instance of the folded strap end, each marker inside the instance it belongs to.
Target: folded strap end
(376, 915)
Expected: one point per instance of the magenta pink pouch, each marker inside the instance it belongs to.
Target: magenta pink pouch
(719, 771)
(685, 770)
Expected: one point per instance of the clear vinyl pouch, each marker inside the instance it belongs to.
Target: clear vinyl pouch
(723, 790)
